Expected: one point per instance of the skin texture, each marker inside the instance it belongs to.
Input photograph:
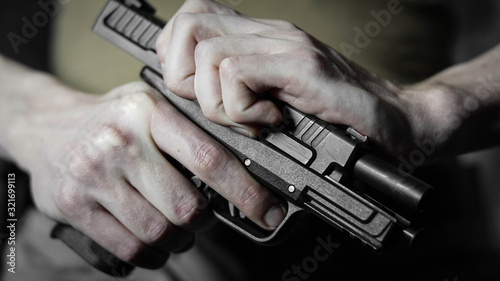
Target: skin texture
(97, 162)
(233, 64)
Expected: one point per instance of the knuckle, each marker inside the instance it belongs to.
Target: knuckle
(130, 106)
(313, 61)
(285, 24)
(185, 211)
(185, 24)
(155, 231)
(304, 37)
(142, 96)
(299, 36)
(98, 151)
(182, 20)
(212, 113)
(84, 161)
(67, 200)
(174, 82)
(251, 198)
(73, 204)
(161, 46)
(204, 49)
(131, 250)
(236, 114)
(209, 158)
(241, 113)
(229, 67)
(109, 137)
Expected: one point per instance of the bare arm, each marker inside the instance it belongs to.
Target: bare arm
(459, 106)
(96, 162)
(228, 62)
(23, 94)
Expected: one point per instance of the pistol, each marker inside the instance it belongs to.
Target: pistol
(315, 167)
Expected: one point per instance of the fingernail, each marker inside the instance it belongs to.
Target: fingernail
(274, 216)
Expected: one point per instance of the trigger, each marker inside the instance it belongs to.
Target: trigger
(234, 212)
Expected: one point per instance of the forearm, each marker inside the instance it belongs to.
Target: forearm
(479, 77)
(457, 109)
(25, 95)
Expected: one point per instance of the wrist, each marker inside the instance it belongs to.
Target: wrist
(29, 102)
(435, 114)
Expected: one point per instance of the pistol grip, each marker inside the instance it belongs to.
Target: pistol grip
(91, 252)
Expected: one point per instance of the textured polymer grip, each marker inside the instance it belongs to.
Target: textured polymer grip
(90, 251)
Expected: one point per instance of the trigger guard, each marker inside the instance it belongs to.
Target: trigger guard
(259, 235)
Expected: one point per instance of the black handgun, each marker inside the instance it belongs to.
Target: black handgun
(316, 167)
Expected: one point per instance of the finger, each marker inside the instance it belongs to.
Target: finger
(210, 53)
(192, 6)
(144, 220)
(214, 165)
(296, 79)
(187, 31)
(171, 192)
(145, 168)
(108, 232)
(143, 164)
(244, 76)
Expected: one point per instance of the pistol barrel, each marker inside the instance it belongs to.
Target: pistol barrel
(387, 179)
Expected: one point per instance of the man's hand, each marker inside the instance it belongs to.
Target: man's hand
(233, 65)
(96, 162)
